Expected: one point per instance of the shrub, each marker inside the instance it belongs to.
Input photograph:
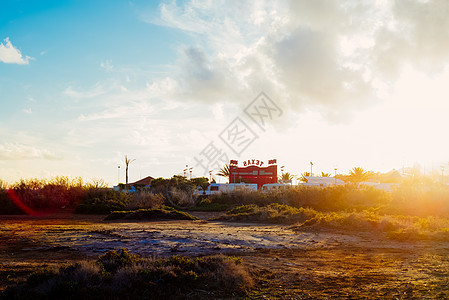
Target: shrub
(145, 200)
(397, 227)
(207, 205)
(164, 212)
(124, 276)
(103, 201)
(6, 205)
(321, 199)
(112, 261)
(273, 213)
(418, 199)
(36, 196)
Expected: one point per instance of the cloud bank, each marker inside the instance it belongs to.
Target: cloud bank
(329, 56)
(17, 151)
(11, 55)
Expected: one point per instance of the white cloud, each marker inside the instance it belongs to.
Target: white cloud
(97, 90)
(326, 56)
(17, 151)
(27, 110)
(11, 55)
(107, 65)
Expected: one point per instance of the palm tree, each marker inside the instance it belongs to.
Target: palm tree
(325, 174)
(358, 174)
(303, 176)
(286, 176)
(127, 162)
(224, 172)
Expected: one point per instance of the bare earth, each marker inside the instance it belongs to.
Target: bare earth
(286, 264)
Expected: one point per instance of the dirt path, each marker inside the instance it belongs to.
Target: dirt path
(286, 264)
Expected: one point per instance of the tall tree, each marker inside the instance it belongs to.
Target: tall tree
(304, 175)
(286, 176)
(127, 162)
(358, 174)
(224, 172)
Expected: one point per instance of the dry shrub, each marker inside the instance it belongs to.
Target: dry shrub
(3, 185)
(321, 199)
(145, 200)
(180, 198)
(228, 273)
(49, 194)
(272, 213)
(419, 199)
(126, 276)
(397, 227)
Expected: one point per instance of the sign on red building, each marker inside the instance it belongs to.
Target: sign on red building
(253, 172)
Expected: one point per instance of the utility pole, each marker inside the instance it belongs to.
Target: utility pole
(118, 175)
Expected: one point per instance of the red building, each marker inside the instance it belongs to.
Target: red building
(253, 173)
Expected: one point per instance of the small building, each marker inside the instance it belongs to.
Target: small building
(276, 186)
(322, 181)
(388, 187)
(254, 174)
(216, 188)
(144, 183)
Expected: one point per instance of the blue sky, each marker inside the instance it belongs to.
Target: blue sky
(83, 83)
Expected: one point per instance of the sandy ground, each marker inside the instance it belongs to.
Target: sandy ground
(285, 263)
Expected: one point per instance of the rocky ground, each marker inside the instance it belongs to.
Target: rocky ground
(285, 263)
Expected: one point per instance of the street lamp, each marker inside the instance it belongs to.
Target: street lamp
(118, 175)
(210, 176)
(185, 170)
(311, 173)
(335, 176)
(190, 169)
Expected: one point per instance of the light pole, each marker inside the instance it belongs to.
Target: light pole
(335, 176)
(185, 170)
(210, 176)
(190, 169)
(118, 175)
(282, 174)
(311, 173)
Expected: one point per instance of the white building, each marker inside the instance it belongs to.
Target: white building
(322, 181)
(275, 186)
(388, 187)
(215, 188)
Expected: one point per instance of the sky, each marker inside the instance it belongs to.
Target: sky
(196, 83)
